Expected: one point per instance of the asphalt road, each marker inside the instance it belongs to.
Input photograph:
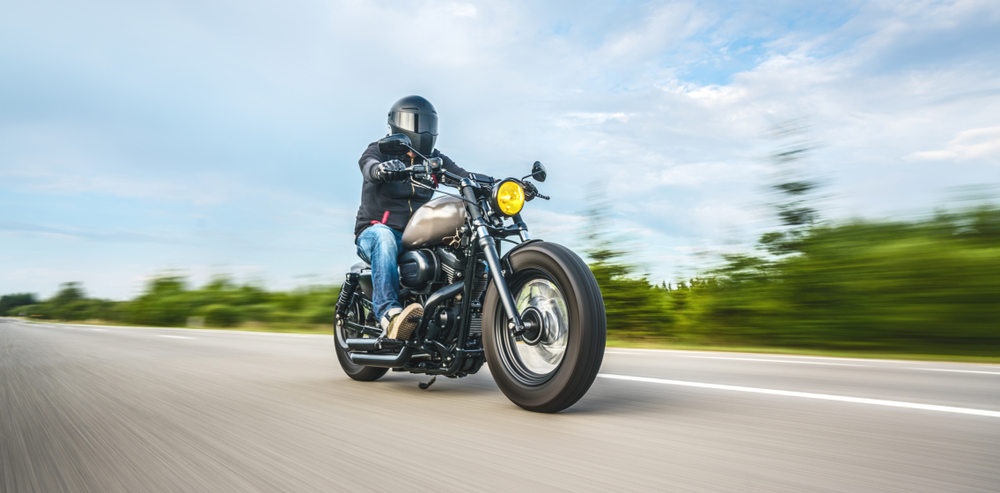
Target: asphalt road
(109, 409)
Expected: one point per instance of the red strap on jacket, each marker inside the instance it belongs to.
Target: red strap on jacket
(385, 217)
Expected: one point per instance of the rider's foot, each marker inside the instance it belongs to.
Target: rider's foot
(402, 325)
(387, 319)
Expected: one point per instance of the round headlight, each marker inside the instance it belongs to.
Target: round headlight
(508, 197)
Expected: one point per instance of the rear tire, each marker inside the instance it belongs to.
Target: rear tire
(341, 334)
(550, 370)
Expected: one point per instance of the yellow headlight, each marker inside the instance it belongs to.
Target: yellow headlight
(509, 197)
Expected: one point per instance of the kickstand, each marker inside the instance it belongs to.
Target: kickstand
(427, 385)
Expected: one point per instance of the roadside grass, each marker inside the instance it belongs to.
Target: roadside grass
(613, 342)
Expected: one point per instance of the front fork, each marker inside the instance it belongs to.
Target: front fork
(488, 245)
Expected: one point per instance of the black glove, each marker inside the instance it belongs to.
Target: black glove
(393, 170)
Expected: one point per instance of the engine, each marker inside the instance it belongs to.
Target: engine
(420, 270)
(425, 270)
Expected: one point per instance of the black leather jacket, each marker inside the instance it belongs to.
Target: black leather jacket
(399, 198)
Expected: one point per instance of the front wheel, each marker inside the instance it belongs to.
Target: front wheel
(549, 369)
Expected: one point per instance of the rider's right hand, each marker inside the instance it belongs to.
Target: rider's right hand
(393, 170)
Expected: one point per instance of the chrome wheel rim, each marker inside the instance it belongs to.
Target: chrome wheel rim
(534, 357)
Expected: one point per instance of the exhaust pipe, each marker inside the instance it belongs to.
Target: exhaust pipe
(383, 360)
(373, 344)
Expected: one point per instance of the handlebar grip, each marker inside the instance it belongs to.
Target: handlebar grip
(433, 165)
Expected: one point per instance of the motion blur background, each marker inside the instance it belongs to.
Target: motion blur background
(739, 172)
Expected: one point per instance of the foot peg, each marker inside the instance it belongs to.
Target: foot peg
(425, 386)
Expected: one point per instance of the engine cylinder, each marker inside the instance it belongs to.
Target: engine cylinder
(417, 269)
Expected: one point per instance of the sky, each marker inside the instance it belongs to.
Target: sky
(218, 137)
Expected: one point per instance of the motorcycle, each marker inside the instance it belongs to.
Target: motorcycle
(534, 313)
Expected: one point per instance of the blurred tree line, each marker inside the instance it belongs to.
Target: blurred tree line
(930, 286)
(169, 301)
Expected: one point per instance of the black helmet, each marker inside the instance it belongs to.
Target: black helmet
(415, 117)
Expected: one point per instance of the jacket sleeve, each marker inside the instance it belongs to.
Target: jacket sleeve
(452, 167)
(369, 161)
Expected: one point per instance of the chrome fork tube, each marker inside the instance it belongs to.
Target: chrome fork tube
(522, 228)
(489, 247)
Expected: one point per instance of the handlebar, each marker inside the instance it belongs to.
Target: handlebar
(435, 166)
(430, 166)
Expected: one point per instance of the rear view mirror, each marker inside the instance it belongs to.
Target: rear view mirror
(394, 144)
(538, 171)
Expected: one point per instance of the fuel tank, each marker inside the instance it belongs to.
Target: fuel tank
(436, 219)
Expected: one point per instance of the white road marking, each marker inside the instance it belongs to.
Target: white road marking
(809, 395)
(176, 337)
(958, 371)
(771, 360)
(622, 352)
(99, 330)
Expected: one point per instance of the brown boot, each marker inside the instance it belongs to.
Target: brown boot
(402, 326)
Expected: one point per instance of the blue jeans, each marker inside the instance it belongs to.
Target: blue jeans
(380, 245)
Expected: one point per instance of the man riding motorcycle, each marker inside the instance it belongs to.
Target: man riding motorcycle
(388, 199)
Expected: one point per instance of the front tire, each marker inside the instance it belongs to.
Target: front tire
(356, 314)
(549, 370)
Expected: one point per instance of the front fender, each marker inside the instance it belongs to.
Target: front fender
(505, 260)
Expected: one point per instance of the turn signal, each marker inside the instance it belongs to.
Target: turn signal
(508, 197)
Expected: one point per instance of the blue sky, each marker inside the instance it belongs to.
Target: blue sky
(222, 137)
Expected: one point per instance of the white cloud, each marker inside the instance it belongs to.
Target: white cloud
(663, 27)
(464, 10)
(576, 119)
(698, 174)
(977, 143)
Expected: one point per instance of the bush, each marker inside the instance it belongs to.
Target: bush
(221, 316)
(40, 310)
(320, 315)
(258, 313)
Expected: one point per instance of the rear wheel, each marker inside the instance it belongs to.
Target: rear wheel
(552, 367)
(358, 315)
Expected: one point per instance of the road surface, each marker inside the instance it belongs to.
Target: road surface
(108, 409)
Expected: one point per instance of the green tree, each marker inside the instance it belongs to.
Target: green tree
(165, 302)
(69, 302)
(634, 307)
(9, 303)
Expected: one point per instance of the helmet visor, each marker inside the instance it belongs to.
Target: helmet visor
(416, 123)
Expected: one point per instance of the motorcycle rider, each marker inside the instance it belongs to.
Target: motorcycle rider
(388, 199)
